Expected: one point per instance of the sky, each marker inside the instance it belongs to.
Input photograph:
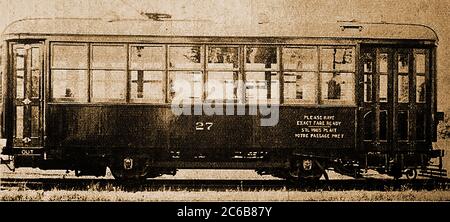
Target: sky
(434, 13)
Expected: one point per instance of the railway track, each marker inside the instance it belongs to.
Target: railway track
(222, 185)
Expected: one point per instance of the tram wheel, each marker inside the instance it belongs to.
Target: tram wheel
(304, 170)
(411, 174)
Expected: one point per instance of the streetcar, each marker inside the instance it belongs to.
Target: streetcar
(148, 97)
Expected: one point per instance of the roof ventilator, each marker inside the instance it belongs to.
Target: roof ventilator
(352, 27)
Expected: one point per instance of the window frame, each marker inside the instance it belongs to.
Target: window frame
(170, 70)
(85, 69)
(328, 102)
(278, 72)
(163, 70)
(237, 94)
(92, 70)
(315, 71)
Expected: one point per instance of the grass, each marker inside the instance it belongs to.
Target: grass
(272, 196)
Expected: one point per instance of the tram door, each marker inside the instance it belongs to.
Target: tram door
(394, 90)
(27, 78)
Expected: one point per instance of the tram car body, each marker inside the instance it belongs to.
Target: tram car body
(87, 94)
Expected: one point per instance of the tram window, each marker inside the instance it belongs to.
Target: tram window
(337, 88)
(261, 58)
(383, 88)
(35, 56)
(300, 87)
(185, 57)
(368, 126)
(20, 58)
(147, 58)
(35, 121)
(301, 59)
(186, 86)
(403, 88)
(69, 72)
(20, 84)
(420, 126)
(69, 56)
(223, 58)
(108, 85)
(221, 86)
(19, 121)
(337, 59)
(147, 65)
(262, 87)
(70, 85)
(420, 89)
(402, 125)
(383, 63)
(403, 63)
(147, 86)
(420, 63)
(368, 88)
(35, 82)
(368, 62)
(109, 57)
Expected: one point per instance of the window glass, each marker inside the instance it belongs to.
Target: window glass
(20, 58)
(35, 123)
(300, 87)
(221, 86)
(186, 87)
(147, 86)
(337, 59)
(300, 59)
(35, 82)
(261, 58)
(421, 126)
(69, 56)
(403, 89)
(20, 84)
(109, 57)
(35, 58)
(420, 89)
(337, 88)
(182, 57)
(108, 85)
(403, 63)
(223, 58)
(368, 126)
(402, 125)
(69, 85)
(367, 88)
(19, 121)
(368, 60)
(147, 57)
(262, 87)
(420, 63)
(383, 63)
(383, 88)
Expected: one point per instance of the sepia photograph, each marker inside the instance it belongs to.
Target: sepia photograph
(224, 101)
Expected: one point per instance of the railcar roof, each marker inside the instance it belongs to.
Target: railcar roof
(76, 26)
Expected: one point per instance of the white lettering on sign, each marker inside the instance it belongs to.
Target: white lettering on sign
(319, 127)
